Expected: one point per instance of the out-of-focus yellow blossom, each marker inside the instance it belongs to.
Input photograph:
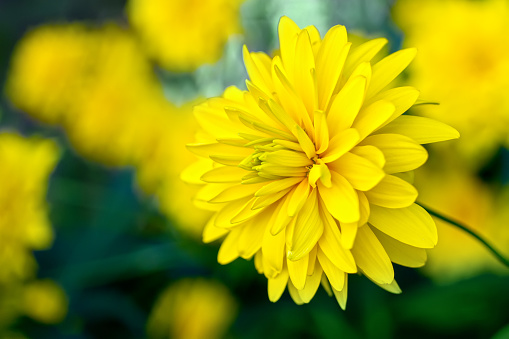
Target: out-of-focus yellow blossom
(47, 70)
(24, 225)
(182, 35)
(100, 97)
(192, 309)
(158, 171)
(463, 63)
(44, 301)
(307, 165)
(462, 196)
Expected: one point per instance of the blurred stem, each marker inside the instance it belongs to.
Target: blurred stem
(464, 228)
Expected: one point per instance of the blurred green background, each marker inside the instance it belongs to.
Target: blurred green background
(111, 84)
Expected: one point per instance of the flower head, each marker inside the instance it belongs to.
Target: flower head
(183, 35)
(308, 168)
(464, 67)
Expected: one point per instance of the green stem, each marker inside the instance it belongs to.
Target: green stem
(496, 253)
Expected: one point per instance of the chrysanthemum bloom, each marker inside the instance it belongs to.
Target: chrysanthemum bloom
(183, 35)
(192, 309)
(310, 165)
(24, 224)
(464, 67)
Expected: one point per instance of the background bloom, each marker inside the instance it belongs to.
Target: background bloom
(309, 165)
(182, 35)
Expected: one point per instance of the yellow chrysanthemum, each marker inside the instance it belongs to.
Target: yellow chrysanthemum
(102, 94)
(463, 64)
(192, 309)
(158, 171)
(307, 167)
(183, 35)
(24, 224)
(464, 197)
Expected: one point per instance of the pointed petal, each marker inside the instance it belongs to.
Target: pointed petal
(411, 225)
(401, 153)
(371, 257)
(420, 129)
(400, 253)
(392, 192)
(340, 199)
(276, 286)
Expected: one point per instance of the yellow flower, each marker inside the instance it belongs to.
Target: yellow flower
(192, 309)
(309, 165)
(183, 35)
(33, 84)
(24, 224)
(45, 301)
(101, 95)
(461, 195)
(162, 160)
(463, 64)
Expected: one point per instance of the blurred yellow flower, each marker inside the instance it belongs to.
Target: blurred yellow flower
(47, 70)
(44, 301)
(99, 94)
(307, 165)
(24, 225)
(192, 309)
(461, 195)
(182, 35)
(159, 168)
(463, 64)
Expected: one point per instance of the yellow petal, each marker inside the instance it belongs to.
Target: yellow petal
(370, 153)
(215, 148)
(371, 257)
(250, 240)
(228, 251)
(224, 174)
(389, 68)
(312, 284)
(346, 105)
(330, 244)
(298, 197)
(298, 271)
(361, 173)
(257, 76)
(288, 33)
(278, 185)
(421, 130)
(335, 275)
(341, 296)
(401, 97)
(307, 230)
(329, 63)
(401, 153)
(340, 199)
(287, 158)
(273, 248)
(280, 218)
(230, 210)
(341, 143)
(267, 200)
(258, 261)
(304, 141)
(392, 192)
(372, 117)
(321, 131)
(276, 286)
(211, 232)
(294, 293)
(410, 225)
(361, 54)
(304, 58)
(193, 172)
(348, 234)
(236, 192)
(400, 253)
